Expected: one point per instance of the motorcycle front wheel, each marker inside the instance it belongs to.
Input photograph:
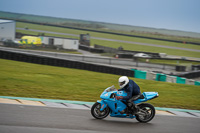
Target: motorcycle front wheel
(146, 112)
(96, 113)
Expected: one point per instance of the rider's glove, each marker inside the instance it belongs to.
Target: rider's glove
(119, 97)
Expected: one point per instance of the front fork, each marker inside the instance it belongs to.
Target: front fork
(103, 105)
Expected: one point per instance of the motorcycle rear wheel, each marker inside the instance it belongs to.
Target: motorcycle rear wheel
(146, 112)
(96, 113)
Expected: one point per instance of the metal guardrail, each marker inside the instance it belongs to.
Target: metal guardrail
(54, 61)
(76, 61)
(94, 59)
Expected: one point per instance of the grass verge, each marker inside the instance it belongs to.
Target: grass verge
(127, 46)
(39, 81)
(135, 47)
(104, 35)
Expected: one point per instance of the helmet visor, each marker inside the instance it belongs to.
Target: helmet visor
(121, 83)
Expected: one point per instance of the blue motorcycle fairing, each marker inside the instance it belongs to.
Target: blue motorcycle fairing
(111, 102)
(114, 112)
(107, 94)
(103, 105)
(122, 115)
(116, 106)
(147, 96)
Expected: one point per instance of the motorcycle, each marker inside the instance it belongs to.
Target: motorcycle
(110, 105)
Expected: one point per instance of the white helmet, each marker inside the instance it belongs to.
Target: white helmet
(123, 81)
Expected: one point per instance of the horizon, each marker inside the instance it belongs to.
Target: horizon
(106, 22)
(178, 15)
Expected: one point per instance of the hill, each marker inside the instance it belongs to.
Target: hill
(97, 25)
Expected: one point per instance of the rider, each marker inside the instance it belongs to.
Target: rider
(132, 90)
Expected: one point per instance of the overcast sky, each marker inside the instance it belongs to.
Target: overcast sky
(168, 14)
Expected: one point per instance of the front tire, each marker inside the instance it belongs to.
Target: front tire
(96, 113)
(146, 112)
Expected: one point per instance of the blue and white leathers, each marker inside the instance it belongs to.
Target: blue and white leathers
(116, 106)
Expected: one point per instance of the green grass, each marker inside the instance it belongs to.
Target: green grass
(39, 81)
(136, 47)
(103, 35)
(46, 34)
(127, 46)
(117, 37)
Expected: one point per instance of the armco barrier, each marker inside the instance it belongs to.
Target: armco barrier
(197, 83)
(106, 49)
(88, 48)
(190, 81)
(180, 68)
(160, 77)
(130, 56)
(95, 59)
(195, 67)
(151, 76)
(171, 79)
(140, 74)
(53, 61)
(163, 77)
(181, 80)
(125, 53)
(194, 74)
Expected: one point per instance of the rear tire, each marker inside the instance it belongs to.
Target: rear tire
(146, 112)
(96, 113)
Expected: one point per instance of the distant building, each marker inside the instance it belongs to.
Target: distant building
(65, 43)
(7, 29)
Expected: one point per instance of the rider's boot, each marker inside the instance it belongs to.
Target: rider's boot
(124, 111)
(133, 108)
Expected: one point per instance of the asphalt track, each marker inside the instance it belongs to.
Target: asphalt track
(40, 119)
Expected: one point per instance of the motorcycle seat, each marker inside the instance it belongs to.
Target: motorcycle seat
(141, 96)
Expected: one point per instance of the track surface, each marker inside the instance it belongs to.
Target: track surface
(24, 118)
